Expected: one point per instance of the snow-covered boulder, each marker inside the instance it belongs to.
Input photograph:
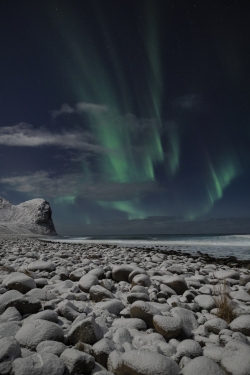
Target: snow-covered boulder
(19, 281)
(202, 365)
(39, 364)
(137, 362)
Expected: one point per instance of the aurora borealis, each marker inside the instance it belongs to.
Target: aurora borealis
(129, 111)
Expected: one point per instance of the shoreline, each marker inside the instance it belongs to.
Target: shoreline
(227, 260)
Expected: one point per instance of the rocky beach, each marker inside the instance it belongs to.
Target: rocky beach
(107, 309)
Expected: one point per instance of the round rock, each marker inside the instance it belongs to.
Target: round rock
(102, 349)
(235, 358)
(8, 329)
(77, 362)
(213, 352)
(19, 281)
(31, 334)
(25, 305)
(188, 320)
(121, 336)
(68, 310)
(205, 302)
(53, 347)
(98, 293)
(87, 281)
(121, 273)
(143, 280)
(87, 331)
(241, 324)
(113, 307)
(169, 327)
(133, 297)
(38, 364)
(7, 297)
(132, 323)
(146, 363)
(42, 294)
(215, 325)
(98, 272)
(192, 347)
(49, 315)
(10, 315)
(240, 296)
(202, 366)
(225, 274)
(136, 271)
(177, 283)
(144, 311)
(9, 350)
(40, 265)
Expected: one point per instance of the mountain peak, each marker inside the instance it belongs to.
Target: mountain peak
(33, 216)
(4, 203)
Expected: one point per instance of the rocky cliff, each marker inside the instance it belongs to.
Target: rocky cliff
(31, 217)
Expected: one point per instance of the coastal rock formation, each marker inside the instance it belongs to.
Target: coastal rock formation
(31, 217)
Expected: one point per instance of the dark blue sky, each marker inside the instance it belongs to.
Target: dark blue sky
(123, 112)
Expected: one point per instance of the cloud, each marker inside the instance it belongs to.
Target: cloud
(65, 109)
(190, 102)
(79, 107)
(41, 183)
(24, 135)
(90, 107)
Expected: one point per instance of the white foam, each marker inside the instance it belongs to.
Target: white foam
(219, 246)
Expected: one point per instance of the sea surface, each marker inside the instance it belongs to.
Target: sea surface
(216, 245)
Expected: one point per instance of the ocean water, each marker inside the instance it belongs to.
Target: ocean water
(216, 245)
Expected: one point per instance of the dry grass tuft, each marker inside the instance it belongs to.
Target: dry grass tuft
(8, 269)
(224, 306)
(45, 298)
(28, 273)
(80, 346)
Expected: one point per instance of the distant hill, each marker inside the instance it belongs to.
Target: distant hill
(31, 217)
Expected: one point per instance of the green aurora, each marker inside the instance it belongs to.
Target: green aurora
(136, 145)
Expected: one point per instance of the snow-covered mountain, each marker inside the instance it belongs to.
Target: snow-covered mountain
(31, 217)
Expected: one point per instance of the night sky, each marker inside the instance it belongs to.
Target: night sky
(128, 116)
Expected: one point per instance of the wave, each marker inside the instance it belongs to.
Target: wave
(219, 246)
